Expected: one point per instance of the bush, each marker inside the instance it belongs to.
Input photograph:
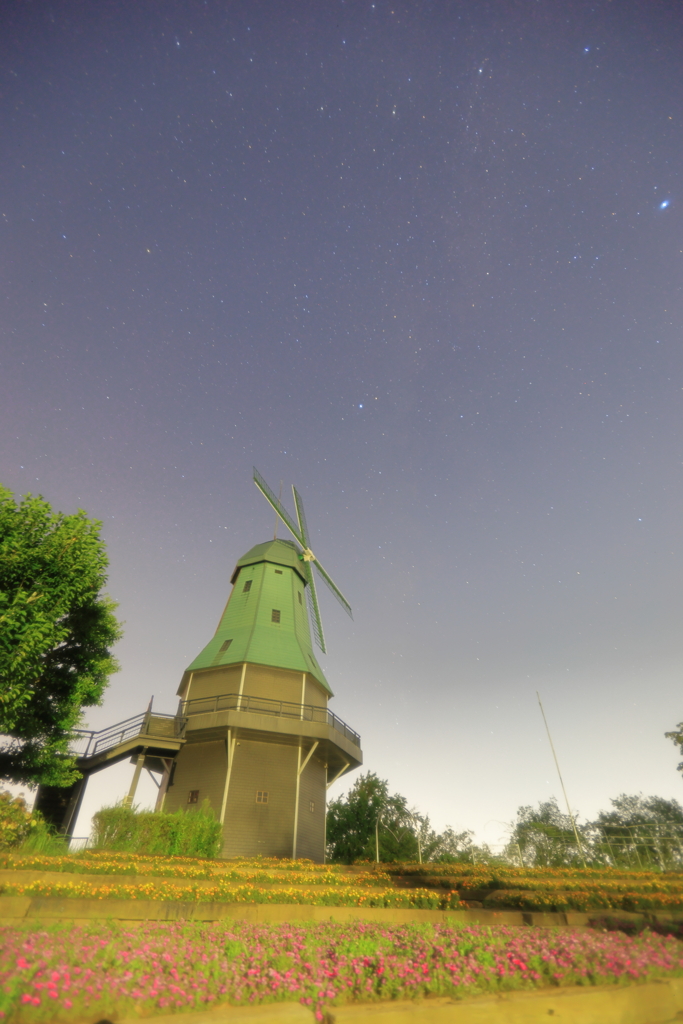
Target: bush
(194, 833)
(16, 821)
(24, 831)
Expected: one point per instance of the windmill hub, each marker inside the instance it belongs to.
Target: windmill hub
(308, 555)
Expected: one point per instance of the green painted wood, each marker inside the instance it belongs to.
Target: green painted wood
(268, 579)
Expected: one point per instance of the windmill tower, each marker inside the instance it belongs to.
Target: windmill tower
(260, 742)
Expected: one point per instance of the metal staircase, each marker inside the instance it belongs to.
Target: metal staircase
(159, 735)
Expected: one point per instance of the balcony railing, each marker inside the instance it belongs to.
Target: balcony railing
(265, 706)
(88, 742)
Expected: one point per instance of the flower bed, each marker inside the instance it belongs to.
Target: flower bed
(555, 888)
(509, 877)
(60, 974)
(337, 896)
(270, 880)
(588, 900)
(225, 893)
(255, 870)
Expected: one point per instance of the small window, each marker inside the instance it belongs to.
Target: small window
(275, 615)
(311, 806)
(247, 586)
(261, 796)
(278, 572)
(298, 594)
(225, 645)
(193, 796)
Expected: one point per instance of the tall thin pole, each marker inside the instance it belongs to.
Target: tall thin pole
(557, 765)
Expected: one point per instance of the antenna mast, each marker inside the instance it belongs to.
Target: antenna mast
(557, 765)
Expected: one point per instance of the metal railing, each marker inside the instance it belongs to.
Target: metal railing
(88, 742)
(266, 706)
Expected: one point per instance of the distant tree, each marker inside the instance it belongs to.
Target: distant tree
(352, 820)
(543, 836)
(676, 738)
(450, 847)
(403, 832)
(56, 631)
(640, 832)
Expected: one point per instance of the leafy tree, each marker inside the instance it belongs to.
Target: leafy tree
(543, 836)
(352, 820)
(56, 631)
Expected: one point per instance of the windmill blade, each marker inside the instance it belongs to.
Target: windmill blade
(335, 589)
(278, 506)
(299, 505)
(312, 596)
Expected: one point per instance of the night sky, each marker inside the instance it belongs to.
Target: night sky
(422, 260)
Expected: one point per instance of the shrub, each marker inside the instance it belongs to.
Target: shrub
(16, 821)
(194, 833)
(43, 841)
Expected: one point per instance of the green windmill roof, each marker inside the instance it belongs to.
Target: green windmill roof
(282, 552)
(268, 579)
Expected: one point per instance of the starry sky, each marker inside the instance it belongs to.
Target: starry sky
(421, 259)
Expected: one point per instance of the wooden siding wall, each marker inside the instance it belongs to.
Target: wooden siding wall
(311, 830)
(273, 683)
(212, 682)
(266, 829)
(201, 766)
(315, 693)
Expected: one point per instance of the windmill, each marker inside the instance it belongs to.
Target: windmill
(300, 533)
(259, 742)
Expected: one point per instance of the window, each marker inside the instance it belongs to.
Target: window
(311, 806)
(261, 796)
(275, 615)
(278, 572)
(225, 645)
(246, 587)
(193, 796)
(298, 594)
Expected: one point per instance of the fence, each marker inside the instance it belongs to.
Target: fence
(265, 706)
(88, 742)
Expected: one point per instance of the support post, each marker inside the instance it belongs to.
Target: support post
(296, 801)
(231, 753)
(136, 778)
(299, 770)
(73, 808)
(165, 778)
(340, 772)
(239, 696)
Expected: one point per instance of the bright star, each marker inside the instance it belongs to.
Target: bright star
(663, 205)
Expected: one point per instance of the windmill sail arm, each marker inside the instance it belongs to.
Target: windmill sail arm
(299, 506)
(335, 589)
(312, 596)
(278, 507)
